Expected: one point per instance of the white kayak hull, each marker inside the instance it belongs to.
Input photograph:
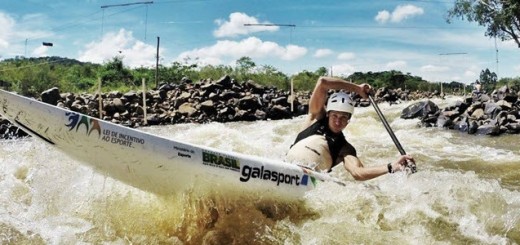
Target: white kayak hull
(153, 163)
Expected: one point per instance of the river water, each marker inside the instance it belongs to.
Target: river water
(466, 191)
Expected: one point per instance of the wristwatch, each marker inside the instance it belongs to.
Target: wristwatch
(390, 170)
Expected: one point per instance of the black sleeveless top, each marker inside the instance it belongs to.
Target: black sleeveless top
(336, 142)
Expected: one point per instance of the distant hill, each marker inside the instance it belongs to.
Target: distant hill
(49, 59)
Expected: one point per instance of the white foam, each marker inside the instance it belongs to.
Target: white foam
(46, 193)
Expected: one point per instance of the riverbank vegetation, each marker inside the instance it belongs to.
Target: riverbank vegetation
(31, 76)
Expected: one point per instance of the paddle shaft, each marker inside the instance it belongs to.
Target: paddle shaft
(391, 132)
(387, 126)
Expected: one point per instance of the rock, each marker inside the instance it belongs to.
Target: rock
(208, 107)
(228, 94)
(513, 128)
(186, 80)
(488, 129)
(210, 88)
(187, 109)
(119, 105)
(114, 94)
(419, 109)
(280, 101)
(51, 96)
(260, 115)
(278, 112)
(225, 82)
(153, 119)
(131, 96)
(461, 125)
(504, 105)
(226, 114)
(491, 109)
(254, 87)
(249, 103)
(243, 115)
(181, 99)
(444, 121)
(478, 114)
(472, 127)
(166, 87)
(511, 98)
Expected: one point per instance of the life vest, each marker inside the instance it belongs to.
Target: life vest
(335, 141)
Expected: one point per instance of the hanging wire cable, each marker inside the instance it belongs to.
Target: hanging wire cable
(130, 4)
(496, 49)
(146, 23)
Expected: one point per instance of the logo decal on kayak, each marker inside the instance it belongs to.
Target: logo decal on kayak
(183, 152)
(306, 177)
(117, 138)
(220, 160)
(249, 172)
(76, 120)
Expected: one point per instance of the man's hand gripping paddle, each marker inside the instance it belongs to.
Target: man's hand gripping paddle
(410, 165)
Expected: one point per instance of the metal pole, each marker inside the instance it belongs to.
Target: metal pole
(496, 49)
(292, 94)
(288, 25)
(144, 102)
(157, 65)
(125, 4)
(100, 99)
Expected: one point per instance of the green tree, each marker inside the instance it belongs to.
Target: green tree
(322, 71)
(488, 79)
(270, 76)
(78, 77)
(140, 73)
(306, 80)
(245, 63)
(500, 17)
(244, 68)
(214, 72)
(512, 83)
(114, 74)
(177, 71)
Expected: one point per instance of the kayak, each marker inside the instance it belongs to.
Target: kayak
(153, 163)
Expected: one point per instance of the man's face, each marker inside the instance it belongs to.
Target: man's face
(338, 120)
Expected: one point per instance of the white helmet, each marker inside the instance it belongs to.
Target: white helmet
(340, 101)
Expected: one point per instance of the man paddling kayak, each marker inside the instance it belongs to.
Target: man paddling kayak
(322, 145)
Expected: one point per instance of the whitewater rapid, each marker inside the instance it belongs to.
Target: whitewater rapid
(466, 190)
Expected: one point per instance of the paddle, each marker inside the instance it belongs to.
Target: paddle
(410, 164)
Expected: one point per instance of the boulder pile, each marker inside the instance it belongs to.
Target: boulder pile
(478, 113)
(223, 100)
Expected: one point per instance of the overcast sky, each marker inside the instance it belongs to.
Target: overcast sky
(344, 36)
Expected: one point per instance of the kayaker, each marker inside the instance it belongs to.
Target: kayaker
(322, 145)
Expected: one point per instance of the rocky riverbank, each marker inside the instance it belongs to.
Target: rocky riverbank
(482, 114)
(223, 100)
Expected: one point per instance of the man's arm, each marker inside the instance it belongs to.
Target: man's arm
(320, 93)
(354, 166)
